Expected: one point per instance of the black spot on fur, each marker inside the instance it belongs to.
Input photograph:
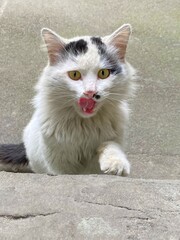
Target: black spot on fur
(97, 96)
(97, 41)
(76, 47)
(13, 154)
(111, 60)
(99, 44)
(115, 66)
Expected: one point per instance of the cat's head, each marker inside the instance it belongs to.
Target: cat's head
(85, 73)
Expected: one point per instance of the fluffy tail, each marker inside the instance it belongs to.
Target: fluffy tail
(13, 158)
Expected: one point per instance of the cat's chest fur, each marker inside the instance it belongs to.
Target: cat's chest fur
(62, 144)
(73, 147)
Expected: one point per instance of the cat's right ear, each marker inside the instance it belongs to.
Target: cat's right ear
(54, 43)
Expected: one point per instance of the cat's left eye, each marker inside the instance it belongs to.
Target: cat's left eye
(74, 75)
(103, 73)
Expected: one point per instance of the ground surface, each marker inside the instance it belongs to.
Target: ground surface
(88, 207)
(153, 139)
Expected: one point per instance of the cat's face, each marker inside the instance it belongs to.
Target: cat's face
(87, 72)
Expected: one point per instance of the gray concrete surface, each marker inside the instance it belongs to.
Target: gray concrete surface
(95, 207)
(88, 207)
(154, 130)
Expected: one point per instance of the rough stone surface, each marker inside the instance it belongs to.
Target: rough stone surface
(36, 206)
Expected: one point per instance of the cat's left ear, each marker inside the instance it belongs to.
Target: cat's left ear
(54, 43)
(119, 39)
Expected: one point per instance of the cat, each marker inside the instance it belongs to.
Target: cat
(81, 109)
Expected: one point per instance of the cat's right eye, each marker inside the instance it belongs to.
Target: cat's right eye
(74, 75)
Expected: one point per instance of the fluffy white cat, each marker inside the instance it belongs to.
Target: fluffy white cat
(80, 107)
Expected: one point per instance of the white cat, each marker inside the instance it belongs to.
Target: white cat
(80, 107)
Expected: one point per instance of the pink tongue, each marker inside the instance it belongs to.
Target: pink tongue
(87, 105)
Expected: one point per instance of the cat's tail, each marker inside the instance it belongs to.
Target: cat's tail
(13, 158)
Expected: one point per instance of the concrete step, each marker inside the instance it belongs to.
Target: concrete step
(69, 207)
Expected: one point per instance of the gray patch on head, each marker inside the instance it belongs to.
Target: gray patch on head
(111, 59)
(76, 47)
(99, 44)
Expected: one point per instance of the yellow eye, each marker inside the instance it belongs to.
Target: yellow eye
(103, 73)
(74, 75)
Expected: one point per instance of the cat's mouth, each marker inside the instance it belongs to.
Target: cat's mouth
(87, 105)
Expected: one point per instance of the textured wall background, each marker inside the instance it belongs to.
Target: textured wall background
(154, 129)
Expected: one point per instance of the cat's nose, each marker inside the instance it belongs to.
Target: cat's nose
(90, 94)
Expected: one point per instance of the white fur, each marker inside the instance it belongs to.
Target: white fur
(113, 160)
(59, 139)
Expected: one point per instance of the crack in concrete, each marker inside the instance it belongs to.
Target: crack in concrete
(111, 205)
(128, 208)
(121, 207)
(140, 218)
(26, 216)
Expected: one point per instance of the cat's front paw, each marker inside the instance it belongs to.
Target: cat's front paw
(112, 160)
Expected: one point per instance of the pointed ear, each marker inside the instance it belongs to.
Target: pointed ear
(54, 43)
(120, 39)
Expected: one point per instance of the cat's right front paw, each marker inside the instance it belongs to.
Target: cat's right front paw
(112, 160)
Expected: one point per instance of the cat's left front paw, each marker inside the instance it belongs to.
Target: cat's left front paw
(112, 160)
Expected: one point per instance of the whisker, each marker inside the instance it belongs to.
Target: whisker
(117, 94)
(113, 96)
(66, 104)
(111, 102)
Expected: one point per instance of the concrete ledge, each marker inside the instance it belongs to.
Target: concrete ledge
(36, 206)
